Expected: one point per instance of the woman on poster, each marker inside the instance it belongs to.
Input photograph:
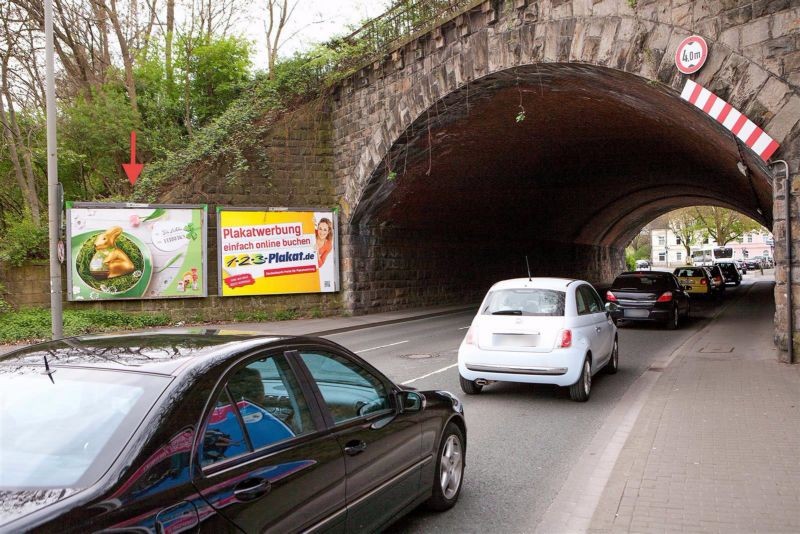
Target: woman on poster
(323, 247)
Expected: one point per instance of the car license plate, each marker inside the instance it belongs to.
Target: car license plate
(515, 340)
(636, 313)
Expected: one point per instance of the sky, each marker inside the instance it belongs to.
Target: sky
(312, 21)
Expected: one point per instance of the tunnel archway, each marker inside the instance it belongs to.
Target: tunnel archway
(563, 163)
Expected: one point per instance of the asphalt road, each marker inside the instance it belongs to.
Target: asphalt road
(522, 439)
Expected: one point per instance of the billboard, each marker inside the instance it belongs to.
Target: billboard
(277, 251)
(135, 251)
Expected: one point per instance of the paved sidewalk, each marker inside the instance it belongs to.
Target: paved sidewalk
(715, 446)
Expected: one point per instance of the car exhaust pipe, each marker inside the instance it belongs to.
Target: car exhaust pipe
(482, 382)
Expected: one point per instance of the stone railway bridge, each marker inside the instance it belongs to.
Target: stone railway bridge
(550, 128)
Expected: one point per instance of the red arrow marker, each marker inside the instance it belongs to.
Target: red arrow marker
(133, 169)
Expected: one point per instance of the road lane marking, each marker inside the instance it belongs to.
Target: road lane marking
(429, 374)
(381, 347)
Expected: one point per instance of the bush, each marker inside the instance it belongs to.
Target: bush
(35, 323)
(24, 241)
(630, 259)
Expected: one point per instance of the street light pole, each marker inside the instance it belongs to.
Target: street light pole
(53, 206)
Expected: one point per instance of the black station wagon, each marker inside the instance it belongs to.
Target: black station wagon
(202, 432)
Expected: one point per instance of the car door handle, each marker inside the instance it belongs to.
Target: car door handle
(597, 328)
(251, 489)
(355, 447)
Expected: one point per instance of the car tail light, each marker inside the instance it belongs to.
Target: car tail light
(611, 297)
(566, 339)
(472, 333)
(703, 282)
(666, 296)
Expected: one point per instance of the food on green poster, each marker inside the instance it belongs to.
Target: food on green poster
(109, 261)
(122, 265)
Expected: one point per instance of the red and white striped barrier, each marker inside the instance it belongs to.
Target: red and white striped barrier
(731, 118)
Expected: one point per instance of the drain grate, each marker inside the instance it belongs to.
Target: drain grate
(418, 356)
(716, 348)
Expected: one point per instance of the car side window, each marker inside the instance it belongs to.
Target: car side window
(260, 405)
(596, 305)
(349, 390)
(580, 302)
(223, 437)
(586, 301)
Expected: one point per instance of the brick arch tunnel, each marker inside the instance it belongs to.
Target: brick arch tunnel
(564, 163)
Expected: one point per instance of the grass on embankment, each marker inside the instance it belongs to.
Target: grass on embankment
(34, 324)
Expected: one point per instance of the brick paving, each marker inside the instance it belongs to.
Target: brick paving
(715, 446)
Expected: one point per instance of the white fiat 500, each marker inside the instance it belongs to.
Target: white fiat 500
(539, 331)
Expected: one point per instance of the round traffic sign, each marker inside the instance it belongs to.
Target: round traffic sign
(691, 54)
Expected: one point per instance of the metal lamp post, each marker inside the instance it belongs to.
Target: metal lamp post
(53, 205)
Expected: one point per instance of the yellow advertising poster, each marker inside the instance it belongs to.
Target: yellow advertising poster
(271, 252)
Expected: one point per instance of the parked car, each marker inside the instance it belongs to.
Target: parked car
(753, 264)
(651, 296)
(730, 272)
(695, 280)
(220, 433)
(539, 331)
(741, 266)
(642, 265)
(767, 262)
(717, 278)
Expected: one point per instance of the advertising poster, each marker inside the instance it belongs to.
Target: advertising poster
(271, 252)
(135, 251)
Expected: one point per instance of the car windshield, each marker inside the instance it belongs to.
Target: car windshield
(67, 432)
(525, 301)
(640, 282)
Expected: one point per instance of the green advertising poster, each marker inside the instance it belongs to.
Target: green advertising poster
(136, 251)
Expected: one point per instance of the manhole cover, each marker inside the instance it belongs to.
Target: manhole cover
(419, 356)
(715, 348)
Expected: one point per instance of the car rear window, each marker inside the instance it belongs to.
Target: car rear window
(728, 268)
(690, 272)
(525, 301)
(640, 282)
(66, 433)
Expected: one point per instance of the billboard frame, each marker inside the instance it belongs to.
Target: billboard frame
(278, 209)
(69, 205)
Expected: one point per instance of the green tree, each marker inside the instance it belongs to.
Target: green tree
(217, 69)
(685, 224)
(95, 132)
(724, 225)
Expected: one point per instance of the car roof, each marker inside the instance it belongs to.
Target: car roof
(559, 284)
(640, 273)
(162, 352)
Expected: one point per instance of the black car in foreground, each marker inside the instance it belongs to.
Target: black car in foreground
(647, 296)
(193, 432)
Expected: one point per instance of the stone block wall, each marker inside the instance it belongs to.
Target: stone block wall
(393, 268)
(27, 286)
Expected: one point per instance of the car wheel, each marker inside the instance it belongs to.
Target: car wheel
(674, 321)
(580, 390)
(613, 364)
(737, 283)
(469, 386)
(449, 470)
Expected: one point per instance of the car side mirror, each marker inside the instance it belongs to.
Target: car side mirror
(411, 401)
(611, 307)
